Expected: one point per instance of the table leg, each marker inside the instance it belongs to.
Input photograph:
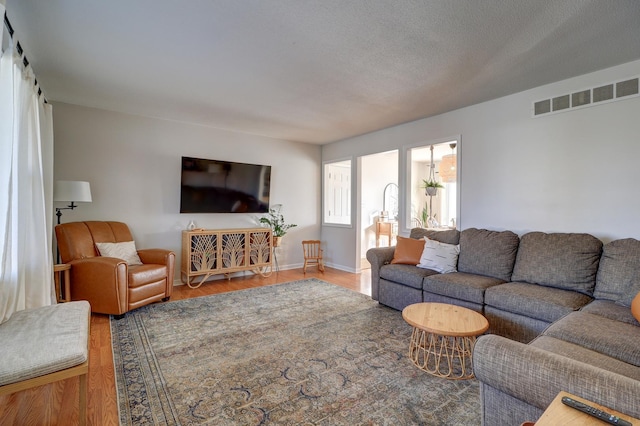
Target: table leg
(56, 280)
(67, 286)
(61, 272)
(443, 356)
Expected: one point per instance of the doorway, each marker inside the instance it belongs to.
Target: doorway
(379, 207)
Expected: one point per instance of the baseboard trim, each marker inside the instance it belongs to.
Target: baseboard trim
(341, 268)
(178, 281)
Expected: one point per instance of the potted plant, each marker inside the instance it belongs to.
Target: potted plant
(431, 186)
(275, 220)
(424, 217)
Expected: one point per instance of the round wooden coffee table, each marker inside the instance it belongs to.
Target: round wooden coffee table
(443, 338)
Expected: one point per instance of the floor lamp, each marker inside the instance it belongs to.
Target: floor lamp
(70, 191)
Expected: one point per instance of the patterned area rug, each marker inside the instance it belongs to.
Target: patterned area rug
(299, 353)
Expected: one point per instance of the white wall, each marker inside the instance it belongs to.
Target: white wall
(133, 165)
(575, 171)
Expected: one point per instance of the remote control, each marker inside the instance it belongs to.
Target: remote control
(593, 411)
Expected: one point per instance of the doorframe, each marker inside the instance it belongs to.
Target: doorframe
(359, 199)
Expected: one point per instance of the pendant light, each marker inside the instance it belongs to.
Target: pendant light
(449, 166)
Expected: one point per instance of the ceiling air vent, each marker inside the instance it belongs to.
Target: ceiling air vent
(627, 88)
(542, 107)
(561, 102)
(588, 97)
(581, 98)
(603, 93)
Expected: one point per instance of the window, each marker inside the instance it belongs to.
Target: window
(437, 161)
(337, 193)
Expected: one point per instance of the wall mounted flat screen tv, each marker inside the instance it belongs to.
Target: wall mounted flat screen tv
(212, 186)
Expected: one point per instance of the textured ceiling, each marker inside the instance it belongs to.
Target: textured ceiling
(314, 71)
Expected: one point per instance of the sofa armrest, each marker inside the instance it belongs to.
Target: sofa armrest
(378, 257)
(102, 281)
(156, 256)
(536, 376)
(161, 257)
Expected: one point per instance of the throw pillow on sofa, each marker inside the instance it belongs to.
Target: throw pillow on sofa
(408, 251)
(439, 257)
(635, 307)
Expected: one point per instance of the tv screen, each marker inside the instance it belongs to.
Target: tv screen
(212, 186)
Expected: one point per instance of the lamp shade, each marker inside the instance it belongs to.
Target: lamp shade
(448, 172)
(72, 190)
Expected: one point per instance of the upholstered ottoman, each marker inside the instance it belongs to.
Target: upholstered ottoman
(44, 345)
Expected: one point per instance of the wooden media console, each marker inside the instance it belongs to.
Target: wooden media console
(207, 252)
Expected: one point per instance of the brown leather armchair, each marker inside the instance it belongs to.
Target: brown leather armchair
(109, 284)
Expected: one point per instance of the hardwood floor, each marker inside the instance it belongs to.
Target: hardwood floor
(57, 403)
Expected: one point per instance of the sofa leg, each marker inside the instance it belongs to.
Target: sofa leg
(166, 299)
(118, 317)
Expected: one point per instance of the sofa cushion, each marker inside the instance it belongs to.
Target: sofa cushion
(566, 261)
(489, 253)
(628, 297)
(408, 275)
(408, 251)
(535, 301)
(613, 338)
(514, 326)
(440, 257)
(588, 356)
(618, 277)
(460, 285)
(611, 310)
(44, 340)
(449, 236)
(428, 297)
(398, 296)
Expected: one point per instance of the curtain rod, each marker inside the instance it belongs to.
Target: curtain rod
(8, 25)
(18, 46)
(25, 61)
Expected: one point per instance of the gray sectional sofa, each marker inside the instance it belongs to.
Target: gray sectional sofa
(558, 311)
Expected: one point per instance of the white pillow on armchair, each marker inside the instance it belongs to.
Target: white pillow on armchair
(125, 251)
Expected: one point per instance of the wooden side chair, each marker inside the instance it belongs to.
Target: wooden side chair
(312, 255)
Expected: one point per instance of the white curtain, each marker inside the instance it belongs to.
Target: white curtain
(26, 211)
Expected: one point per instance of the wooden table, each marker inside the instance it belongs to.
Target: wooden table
(559, 414)
(385, 229)
(58, 270)
(443, 338)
